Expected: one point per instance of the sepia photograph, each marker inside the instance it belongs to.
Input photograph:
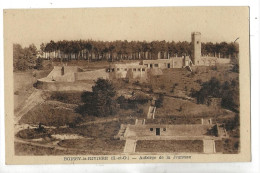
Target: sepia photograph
(127, 84)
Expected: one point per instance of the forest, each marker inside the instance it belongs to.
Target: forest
(128, 50)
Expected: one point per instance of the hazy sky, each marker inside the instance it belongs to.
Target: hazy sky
(216, 24)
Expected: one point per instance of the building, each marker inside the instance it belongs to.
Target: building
(199, 60)
(173, 62)
(129, 70)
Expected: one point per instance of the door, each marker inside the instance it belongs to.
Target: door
(169, 65)
(157, 131)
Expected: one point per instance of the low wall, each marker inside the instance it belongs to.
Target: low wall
(64, 86)
(70, 77)
(223, 61)
(177, 62)
(167, 130)
(211, 61)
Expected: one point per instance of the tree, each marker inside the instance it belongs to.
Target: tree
(211, 88)
(228, 91)
(24, 58)
(101, 102)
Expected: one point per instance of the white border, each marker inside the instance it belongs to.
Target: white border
(254, 166)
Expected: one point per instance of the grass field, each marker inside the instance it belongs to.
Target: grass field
(169, 146)
(22, 149)
(186, 80)
(51, 114)
(228, 146)
(96, 144)
(179, 107)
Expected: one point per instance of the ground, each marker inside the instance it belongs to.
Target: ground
(65, 131)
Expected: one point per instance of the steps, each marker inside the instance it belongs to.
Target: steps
(209, 146)
(140, 122)
(130, 146)
(121, 131)
(151, 112)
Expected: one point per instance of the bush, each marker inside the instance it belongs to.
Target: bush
(228, 91)
(39, 64)
(159, 101)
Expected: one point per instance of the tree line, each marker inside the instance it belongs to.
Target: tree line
(125, 50)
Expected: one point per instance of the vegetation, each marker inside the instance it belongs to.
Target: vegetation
(71, 97)
(51, 115)
(228, 91)
(119, 50)
(24, 58)
(159, 101)
(169, 146)
(101, 102)
(104, 145)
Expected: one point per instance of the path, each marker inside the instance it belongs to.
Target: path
(209, 146)
(130, 145)
(37, 97)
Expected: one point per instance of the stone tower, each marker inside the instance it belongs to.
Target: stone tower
(196, 47)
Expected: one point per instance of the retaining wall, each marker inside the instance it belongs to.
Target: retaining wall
(64, 86)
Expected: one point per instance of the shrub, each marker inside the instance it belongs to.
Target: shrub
(159, 101)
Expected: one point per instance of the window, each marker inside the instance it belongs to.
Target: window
(156, 65)
(113, 69)
(151, 129)
(118, 69)
(125, 69)
(164, 129)
(143, 69)
(139, 69)
(198, 42)
(134, 69)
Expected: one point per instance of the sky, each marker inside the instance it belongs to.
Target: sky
(216, 24)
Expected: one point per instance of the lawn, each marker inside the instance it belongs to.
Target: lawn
(179, 107)
(169, 146)
(51, 113)
(22, 149)
(98, 145)
(228, 146)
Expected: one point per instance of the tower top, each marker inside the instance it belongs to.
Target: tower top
(195, 33)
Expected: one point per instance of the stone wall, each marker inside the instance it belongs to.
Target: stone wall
(167, 130)
(64, 86)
